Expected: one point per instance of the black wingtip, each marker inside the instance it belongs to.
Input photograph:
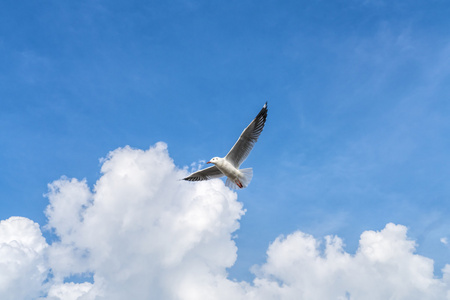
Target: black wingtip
(263, 112)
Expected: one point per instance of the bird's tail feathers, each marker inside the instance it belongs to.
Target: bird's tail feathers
(248, 175)
(242, 182)
(229, 183)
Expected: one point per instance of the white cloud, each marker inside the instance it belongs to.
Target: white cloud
(22, 265)
(142, 231)
(384, 267)
(70, 291)
(144, 234)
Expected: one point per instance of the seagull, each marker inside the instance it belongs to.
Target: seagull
(229, 165)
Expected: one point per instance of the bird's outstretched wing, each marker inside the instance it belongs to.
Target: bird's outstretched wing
(248, 138)
(205, 174)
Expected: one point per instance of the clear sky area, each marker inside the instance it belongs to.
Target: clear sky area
(106, 105)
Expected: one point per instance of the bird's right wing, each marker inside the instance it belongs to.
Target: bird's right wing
(248, 138)
(205, 174)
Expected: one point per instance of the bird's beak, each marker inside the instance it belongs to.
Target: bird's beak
(208, 162)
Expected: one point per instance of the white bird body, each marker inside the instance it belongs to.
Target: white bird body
(227, 168)
(229, 165)
(234, 176)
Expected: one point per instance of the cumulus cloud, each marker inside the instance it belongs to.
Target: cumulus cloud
(143, 234)
(141, 230)
(384, 267)
(71, 291)
(22, 265)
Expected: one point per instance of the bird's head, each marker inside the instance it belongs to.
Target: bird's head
(213, 160)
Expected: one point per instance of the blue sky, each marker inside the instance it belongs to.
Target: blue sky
(357, 134)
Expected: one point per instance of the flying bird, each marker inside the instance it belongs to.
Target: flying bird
(229, 165)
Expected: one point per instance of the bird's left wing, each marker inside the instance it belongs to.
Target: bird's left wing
(205, 174)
